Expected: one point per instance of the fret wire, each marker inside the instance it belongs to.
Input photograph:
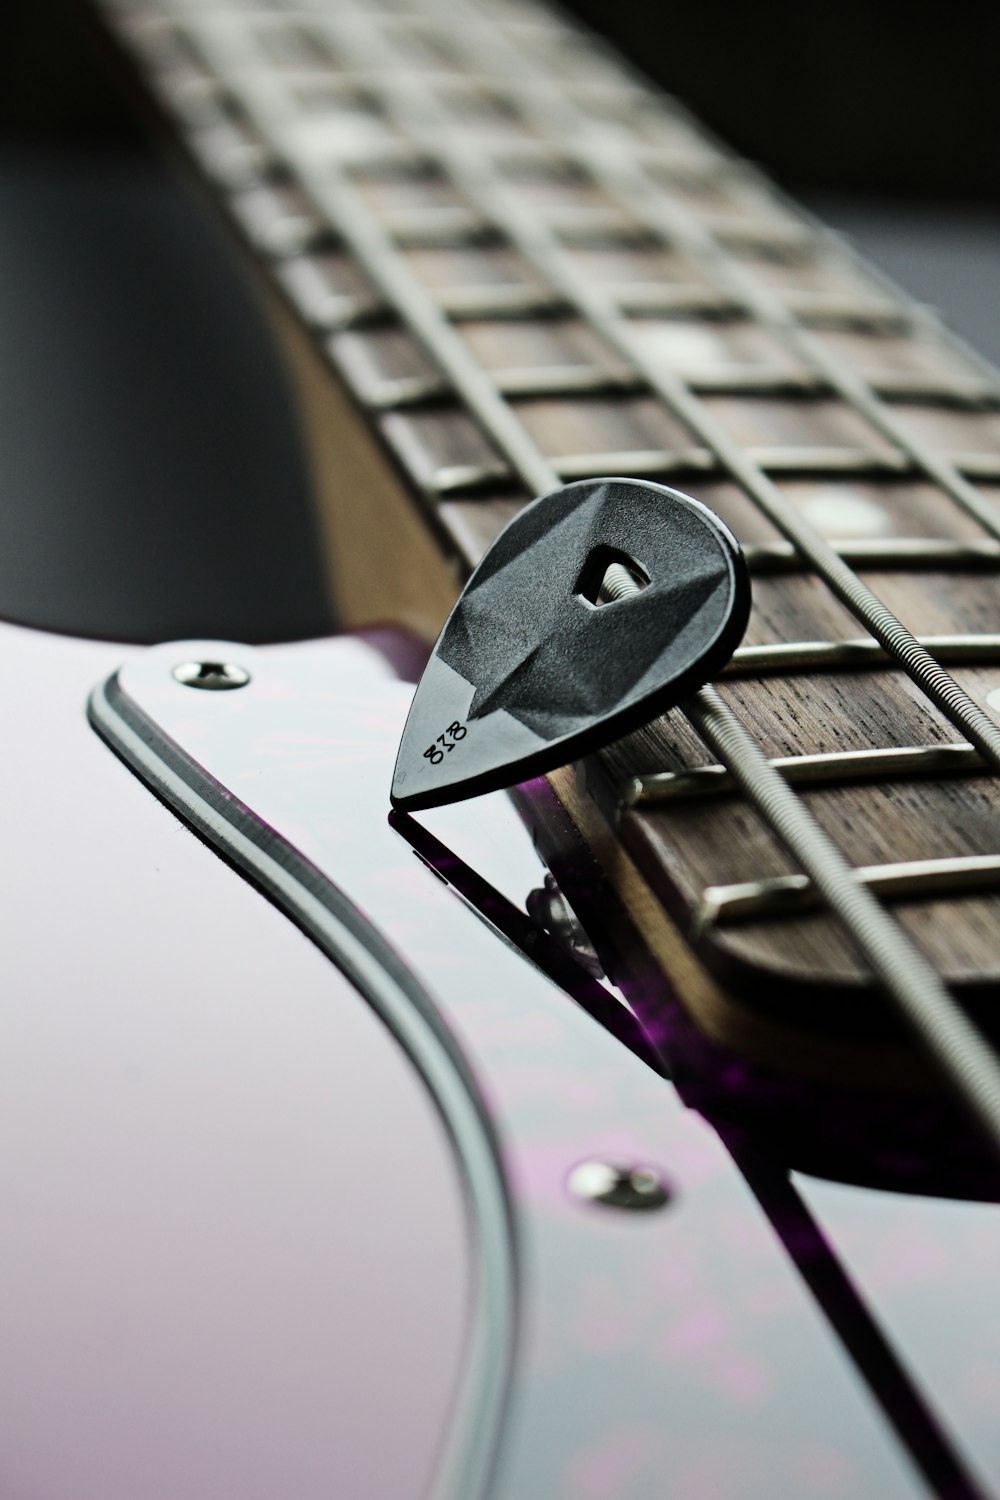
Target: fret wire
(492, 304)
(472, 171)
(470, 479)
(960, 1049)
(769, 312)
(828, 768)
(827, 310)
(902, 968)
(877, 316)
(332, 190)
(781, 895)
(685, 463)
(673, 223)
(319, 305)
(823, 463)
(661, 463)
(811, 656)
(676, 226)
(610, 165)
(859, 393)
(598, 379)
(685, 233)
(920, 992)
(899, 552)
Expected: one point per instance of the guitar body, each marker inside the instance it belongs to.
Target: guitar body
(234, 1248)
(325, 1172)
(240, 1241)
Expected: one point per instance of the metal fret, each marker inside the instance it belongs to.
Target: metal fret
(428, 228)
(825, 310)
(410, 391)
(304, 282)
(470, 479)
(819, 309)
(643, 463)
(788, 895)
(835, 656)
(321, 307)
(853, 462)
(985, 466)
(666, 463)
(454, 225)
(474, 174)
(278, 226)
(959, 1048)
(893, 552)
(476, 304)
(229, 154)
(593, 379)
(622, 175)
(896, 962)
(836, 768)
(530, 381)
(612, 164)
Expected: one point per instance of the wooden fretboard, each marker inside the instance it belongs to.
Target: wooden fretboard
(523, 265)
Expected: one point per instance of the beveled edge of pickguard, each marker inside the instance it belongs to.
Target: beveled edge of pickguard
(325, 914)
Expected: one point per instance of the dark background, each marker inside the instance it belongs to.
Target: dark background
(883, 119)
(857, 96)
(151, 477)
(850, 97)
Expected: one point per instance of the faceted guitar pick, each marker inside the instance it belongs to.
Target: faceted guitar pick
(533, 669)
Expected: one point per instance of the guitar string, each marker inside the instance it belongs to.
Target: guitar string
(934, 1449)
(925, 1000)
(404, 100)
(511, 414)
(410, 102)
(904, 971)
(624, 177)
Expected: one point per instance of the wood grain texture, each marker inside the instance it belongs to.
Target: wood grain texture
(590, 411)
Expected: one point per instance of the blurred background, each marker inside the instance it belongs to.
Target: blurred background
(151, 472)
(883, 120)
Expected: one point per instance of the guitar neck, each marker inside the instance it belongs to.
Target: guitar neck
(518, 266)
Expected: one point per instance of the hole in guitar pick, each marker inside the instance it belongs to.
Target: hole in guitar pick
(591, 587)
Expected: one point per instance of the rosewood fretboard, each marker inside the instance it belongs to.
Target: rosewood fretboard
(522, 263)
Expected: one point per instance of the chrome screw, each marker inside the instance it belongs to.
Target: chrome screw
(216, 676)
(618, 1186)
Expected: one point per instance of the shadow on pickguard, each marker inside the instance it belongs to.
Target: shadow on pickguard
(773, 1125)
(906, 1136)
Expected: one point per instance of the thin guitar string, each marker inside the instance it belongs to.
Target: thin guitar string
(904, 971)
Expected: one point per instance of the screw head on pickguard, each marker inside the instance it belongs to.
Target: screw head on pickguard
(597, 608)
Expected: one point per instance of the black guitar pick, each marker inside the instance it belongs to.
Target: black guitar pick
(533, 669)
